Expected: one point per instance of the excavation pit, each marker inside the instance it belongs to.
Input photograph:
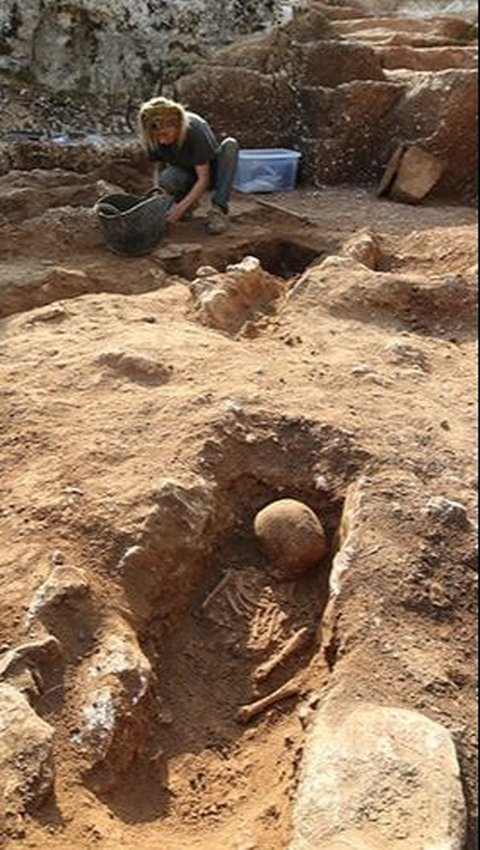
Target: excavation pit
(282, 256)
(233, 647)
(285, 258)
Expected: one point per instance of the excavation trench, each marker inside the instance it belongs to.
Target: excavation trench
(284, 256)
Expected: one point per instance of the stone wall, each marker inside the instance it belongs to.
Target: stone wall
(339, 84)
(319, 85)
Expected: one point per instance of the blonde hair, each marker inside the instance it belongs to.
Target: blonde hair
(161, 112)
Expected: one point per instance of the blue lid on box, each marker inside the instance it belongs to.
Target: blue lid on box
(269, 153)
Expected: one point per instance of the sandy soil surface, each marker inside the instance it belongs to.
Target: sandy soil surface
(113, 384)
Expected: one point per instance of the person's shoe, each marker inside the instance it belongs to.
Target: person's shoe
(217, 221)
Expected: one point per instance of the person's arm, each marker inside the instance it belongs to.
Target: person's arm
(198, 189)
(156, 175)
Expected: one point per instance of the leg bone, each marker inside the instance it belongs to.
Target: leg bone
(246, 712)
(294, 644)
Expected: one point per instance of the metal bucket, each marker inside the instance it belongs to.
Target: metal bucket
(131, 224)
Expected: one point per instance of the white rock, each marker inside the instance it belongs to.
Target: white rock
(114, 681)
(245, 266)
(378, 778)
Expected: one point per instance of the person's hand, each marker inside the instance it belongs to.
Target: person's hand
(174, 214)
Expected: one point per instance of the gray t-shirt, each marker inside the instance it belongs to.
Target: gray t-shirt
(199, 146)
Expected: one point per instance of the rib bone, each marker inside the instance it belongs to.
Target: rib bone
(218, 587)
(234, 603)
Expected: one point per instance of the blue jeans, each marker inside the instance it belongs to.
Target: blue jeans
(178, 181)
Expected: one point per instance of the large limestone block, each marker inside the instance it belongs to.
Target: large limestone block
(439, 112)
(416, 31)
(332, 63)
(378, 778)
(418, 172)
(424, 8)
(256, 108)
(345, 127)
(427, 58)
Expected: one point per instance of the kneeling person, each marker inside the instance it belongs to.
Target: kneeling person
(193, 160)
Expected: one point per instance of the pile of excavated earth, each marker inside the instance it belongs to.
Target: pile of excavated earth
(238, 485)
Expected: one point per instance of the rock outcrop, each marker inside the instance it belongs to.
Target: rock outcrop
(110, 48)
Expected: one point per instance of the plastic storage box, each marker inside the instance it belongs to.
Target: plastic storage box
(266, 170)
